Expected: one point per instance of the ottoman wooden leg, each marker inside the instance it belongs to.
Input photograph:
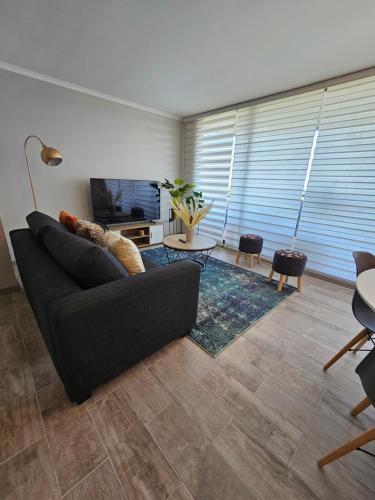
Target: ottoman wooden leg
(281, 282)
(299, 286)
(259, 259)
(238, 257)
(250, 259)
(271, 274)
(287, 279)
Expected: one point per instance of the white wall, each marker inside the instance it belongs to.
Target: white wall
(97, 138)
(7, 277)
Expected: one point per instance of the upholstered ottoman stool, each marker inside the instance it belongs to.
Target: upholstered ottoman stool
(250, 244)
(288, 263)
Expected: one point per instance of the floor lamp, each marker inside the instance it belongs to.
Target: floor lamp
(50, 156)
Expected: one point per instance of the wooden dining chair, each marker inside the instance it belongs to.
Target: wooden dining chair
(364, 315)
(366, 372)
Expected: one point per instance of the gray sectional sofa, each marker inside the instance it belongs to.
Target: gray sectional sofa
(95, 319)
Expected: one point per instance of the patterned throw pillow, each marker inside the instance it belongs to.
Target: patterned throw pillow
(68, 220)
(126, 251)
(91, 231)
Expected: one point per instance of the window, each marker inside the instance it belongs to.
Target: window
(338, 213)
(272, 150)
(208, 147)
(299, 170)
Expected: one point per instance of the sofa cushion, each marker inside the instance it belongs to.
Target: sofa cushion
(126, 251)
(89, 264)
(92, 232)
(68, 220)
(38, 222)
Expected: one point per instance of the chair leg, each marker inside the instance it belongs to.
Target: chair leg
(299, 286)
(238, 257)
(281, 282)
(365, 403)
(353, 444)
(250, 259)
(286, 279)
(361, 343)
(346, 348)
(271, 275)
(259, 258)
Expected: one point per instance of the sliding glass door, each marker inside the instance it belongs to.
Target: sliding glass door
(299, 171)
(338, 212)
(272, 149)
(208, 149)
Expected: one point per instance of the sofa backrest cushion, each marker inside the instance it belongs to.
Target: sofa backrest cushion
(38, 222)
(87, 263)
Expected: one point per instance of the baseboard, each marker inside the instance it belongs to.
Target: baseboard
(308, 272)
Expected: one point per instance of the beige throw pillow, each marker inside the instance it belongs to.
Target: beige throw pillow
(91, 231)
(126, 251)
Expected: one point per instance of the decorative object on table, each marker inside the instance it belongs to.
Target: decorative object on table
(231, 299)
(188, 205)
(68, 220)
(288, 263)
(250, 245)
(177, 247)
(126, 251)
(366, 372)
(91, 231)
(50, 156)
(362, 312)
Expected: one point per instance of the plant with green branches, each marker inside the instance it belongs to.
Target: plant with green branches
(178, 189)
(188, 205)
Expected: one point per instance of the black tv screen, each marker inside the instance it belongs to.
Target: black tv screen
(118, 201)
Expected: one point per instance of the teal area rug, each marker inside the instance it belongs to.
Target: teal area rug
(231, 299)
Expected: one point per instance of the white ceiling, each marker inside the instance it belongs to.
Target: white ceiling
(188, 56)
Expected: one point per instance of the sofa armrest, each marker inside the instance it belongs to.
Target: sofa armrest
(101, 331)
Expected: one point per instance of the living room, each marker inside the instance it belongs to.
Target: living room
(187, 249)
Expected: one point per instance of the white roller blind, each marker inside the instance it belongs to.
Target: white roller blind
(272, 149)
(208, 144)
(338, 214)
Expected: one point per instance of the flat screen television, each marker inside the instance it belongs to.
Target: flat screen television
(119, 201)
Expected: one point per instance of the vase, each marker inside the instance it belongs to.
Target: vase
(189, 232)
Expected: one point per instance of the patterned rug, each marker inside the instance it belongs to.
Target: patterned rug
(231, 299)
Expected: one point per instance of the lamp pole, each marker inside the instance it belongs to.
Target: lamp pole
(28, 166)
(50, 156)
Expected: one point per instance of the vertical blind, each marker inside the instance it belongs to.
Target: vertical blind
(272, 149)
(208, 147)
(338, 213)
(298, 171)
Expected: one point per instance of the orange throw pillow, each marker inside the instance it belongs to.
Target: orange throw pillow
(68, 220)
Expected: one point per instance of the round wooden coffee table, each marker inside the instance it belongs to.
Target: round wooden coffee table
(198, 250)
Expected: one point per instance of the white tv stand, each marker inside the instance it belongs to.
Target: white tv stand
(142, 233)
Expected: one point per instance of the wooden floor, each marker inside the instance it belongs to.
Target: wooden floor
(250, 423)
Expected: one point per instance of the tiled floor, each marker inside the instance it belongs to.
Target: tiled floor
(250, 423)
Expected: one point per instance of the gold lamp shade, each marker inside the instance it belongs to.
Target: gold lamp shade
(51, 156)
